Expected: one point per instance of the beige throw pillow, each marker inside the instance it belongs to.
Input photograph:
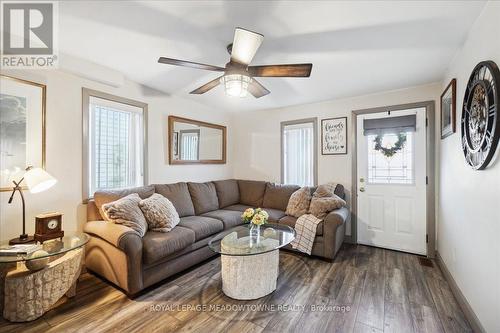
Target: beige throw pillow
(299, 202)
(325, 190)
(324, 200)
(160, 213)
(126, 211)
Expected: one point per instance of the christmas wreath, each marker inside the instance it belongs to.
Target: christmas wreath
(389, 152)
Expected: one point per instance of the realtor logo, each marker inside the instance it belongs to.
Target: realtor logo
(28, 35)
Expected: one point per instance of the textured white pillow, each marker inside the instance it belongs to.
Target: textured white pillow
(160, 213)
(324, 200)
(126, 211)
(299, 202)
(321, 206)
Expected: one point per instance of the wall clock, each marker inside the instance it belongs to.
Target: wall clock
(480, 115)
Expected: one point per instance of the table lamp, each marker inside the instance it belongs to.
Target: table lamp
(37, 180)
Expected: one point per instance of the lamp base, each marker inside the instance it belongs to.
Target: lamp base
(21, 240)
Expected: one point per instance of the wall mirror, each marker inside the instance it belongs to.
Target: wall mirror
(195, 142)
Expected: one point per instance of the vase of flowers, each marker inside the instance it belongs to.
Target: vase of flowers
(256, 218)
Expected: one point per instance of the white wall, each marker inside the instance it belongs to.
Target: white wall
(469, 219)
(256, 135)
(64, 147)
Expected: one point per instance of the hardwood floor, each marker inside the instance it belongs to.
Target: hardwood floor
(364, 290)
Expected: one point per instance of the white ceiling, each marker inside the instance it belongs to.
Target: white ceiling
(356, 47)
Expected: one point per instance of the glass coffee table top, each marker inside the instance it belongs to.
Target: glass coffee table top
(52, 247)
(239, 241)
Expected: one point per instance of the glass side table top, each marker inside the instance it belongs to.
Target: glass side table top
(53, 247)
(240, 241)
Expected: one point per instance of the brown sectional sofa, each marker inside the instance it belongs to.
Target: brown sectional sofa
(133, 263)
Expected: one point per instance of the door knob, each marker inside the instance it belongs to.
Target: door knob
(361, 189)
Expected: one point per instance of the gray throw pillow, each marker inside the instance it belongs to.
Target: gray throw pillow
(126, 211)
(160, 213)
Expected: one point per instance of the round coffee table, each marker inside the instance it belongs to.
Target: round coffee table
(28, 294)
(250, 263)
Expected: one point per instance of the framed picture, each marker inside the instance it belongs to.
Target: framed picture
(176, 143)
(22, 128)
(448, 109)
(334, 136)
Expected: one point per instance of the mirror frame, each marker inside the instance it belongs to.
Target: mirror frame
(173, 119)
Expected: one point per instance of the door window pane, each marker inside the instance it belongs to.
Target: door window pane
(397, 169)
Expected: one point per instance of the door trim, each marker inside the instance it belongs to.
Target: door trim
(430, 168)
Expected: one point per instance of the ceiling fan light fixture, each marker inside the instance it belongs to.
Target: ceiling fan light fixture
(236, 85)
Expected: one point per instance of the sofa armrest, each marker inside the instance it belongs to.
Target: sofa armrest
(334, 222)
(115, 234)
(123, 253)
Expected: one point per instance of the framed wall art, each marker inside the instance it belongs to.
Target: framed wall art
(334, 136)
(22, 128)
(448, 109)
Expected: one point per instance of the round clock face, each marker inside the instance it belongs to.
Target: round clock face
(52, 224)
(480, 115)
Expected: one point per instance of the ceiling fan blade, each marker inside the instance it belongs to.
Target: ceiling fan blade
(197, 65)
(207, 86)
(290, 70)
(257, 89)
(245, 45)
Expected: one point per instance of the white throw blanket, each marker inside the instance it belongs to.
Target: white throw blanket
(305, 232)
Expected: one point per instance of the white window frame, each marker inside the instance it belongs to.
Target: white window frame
(86, 97)
(314, 121)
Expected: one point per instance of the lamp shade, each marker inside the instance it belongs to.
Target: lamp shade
(38, 180)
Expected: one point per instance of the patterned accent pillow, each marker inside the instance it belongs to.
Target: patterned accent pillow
(126, 211)
(325, 190)
(299, 202)
(324, 200)
(160, 213)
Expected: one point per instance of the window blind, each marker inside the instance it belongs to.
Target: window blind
(116, 145)
(298, 154)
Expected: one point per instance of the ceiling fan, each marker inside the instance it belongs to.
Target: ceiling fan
(239, 77)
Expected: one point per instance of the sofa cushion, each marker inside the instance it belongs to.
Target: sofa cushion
(277, 195)
(202, 226)
(299, 202)
(228, 192)
(126, 211)
(251, 192)
(179, 195)
(238, 208)
(159, 212)
(230, 218)
(102, 197)
(290, 221)
(274, 214)
(204, 197)
(158, 245)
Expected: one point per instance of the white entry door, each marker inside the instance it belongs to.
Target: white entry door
(392, 189)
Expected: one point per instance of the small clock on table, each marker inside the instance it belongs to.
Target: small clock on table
(48, 226)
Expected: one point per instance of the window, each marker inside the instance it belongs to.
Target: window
(397, 169)
(189, 145)
(299, 152)
(115, 142)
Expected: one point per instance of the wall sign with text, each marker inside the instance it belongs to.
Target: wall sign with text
(334, 136)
